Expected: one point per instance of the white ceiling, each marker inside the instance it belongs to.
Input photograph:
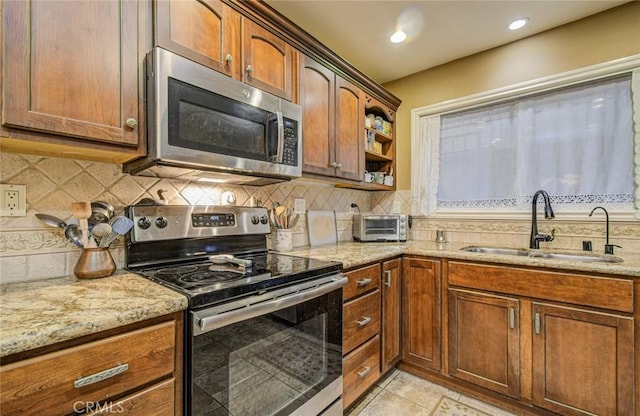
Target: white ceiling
(444, 30)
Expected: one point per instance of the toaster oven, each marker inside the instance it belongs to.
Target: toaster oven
(380, 227)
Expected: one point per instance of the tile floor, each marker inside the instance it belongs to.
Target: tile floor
(401, 393)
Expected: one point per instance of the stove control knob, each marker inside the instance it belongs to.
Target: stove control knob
(161, 222)
(144, 223)
(264, 219)
(255, 219)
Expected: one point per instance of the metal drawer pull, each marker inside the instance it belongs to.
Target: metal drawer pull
(364, 321)
(229, 59)
(387, 278)
(363, 282)
(536, 323)
(512, 318)
(364, 372)
(102, 375)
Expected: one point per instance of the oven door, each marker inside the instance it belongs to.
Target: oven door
(278, 353)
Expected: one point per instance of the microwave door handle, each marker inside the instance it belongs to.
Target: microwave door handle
(280, 121)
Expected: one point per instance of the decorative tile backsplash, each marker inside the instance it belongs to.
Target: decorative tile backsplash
(31, 250)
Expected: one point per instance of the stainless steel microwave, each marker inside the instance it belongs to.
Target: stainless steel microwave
(380, 227)
(205, 126)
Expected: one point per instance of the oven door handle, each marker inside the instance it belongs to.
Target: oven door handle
(243, 310)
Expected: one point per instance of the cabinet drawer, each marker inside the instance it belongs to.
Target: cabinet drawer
(361, 369)
(47, 384)
(361, 320)
(361, 281)
(157, 400)
(598, 292)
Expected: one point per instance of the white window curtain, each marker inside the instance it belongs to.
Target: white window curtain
(576, 143)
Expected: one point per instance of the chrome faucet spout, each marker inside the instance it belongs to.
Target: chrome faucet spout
(535, 238)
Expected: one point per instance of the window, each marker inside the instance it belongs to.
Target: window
(577, 142)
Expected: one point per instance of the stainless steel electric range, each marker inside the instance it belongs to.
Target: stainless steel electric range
(263, 332)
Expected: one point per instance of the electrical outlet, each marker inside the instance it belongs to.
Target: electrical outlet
(299, 206)
(13, 200)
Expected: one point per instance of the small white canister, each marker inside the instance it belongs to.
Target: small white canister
(284, 239)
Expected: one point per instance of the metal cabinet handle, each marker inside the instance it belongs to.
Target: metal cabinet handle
(364, 372)
(338, 165)
(102, 375)
(387, 278)
(536, 323)
(249, 70)
(512, 318)
(363, 282)
(131, 122)
(364, 321)
(228, 59)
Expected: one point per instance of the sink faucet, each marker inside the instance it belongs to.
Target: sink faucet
(534, 240)
(608, 248)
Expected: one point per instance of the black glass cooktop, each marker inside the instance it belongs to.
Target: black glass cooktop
(207, 283)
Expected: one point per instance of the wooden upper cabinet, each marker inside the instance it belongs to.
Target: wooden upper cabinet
(582, 361)
(205, 31)
(332, 123)
(349, 119)
(71, 68)
(268, 61)
(317, 98)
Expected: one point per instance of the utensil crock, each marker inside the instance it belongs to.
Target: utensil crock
(94, 263)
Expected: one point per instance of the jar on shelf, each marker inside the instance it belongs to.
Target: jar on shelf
(377, 124)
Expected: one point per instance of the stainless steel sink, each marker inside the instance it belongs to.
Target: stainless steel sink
(587, 258)
(506, 251)
(500, 251)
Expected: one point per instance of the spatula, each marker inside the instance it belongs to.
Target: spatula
(82, 211)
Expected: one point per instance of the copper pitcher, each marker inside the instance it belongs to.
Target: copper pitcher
(94, 263)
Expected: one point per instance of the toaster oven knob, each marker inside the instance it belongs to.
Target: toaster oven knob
(161, 222)
(264, 219)
(144, 223)
(255, 219)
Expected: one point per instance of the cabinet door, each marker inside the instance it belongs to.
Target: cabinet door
(268, 60)
(421, 312)
(582, 361)
(391, 309)
(484, 340)
(71, 68)
(317, 98)
(349, 140)
(205, 31)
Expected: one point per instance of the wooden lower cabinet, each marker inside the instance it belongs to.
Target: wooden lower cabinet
(570, 358)
(391, 310)
(484, 340)
(582, 361)
(131, 373)
(421, 316)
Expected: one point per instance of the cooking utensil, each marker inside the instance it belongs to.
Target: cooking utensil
(82, 211)
(74, 235)
(100, 230)
(51, 220)
(119, 226)
(101, 212)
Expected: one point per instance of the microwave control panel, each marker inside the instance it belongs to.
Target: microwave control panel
(290, 150)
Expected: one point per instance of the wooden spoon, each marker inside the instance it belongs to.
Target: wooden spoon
(82, 211)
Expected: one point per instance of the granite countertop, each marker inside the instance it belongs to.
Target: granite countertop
(353, 254)
(40, 313)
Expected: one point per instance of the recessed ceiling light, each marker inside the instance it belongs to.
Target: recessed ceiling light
(518, 23)
(398, 37)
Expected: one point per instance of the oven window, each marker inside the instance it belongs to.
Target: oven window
(269, 365)
(381, 227)
(203, 120)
